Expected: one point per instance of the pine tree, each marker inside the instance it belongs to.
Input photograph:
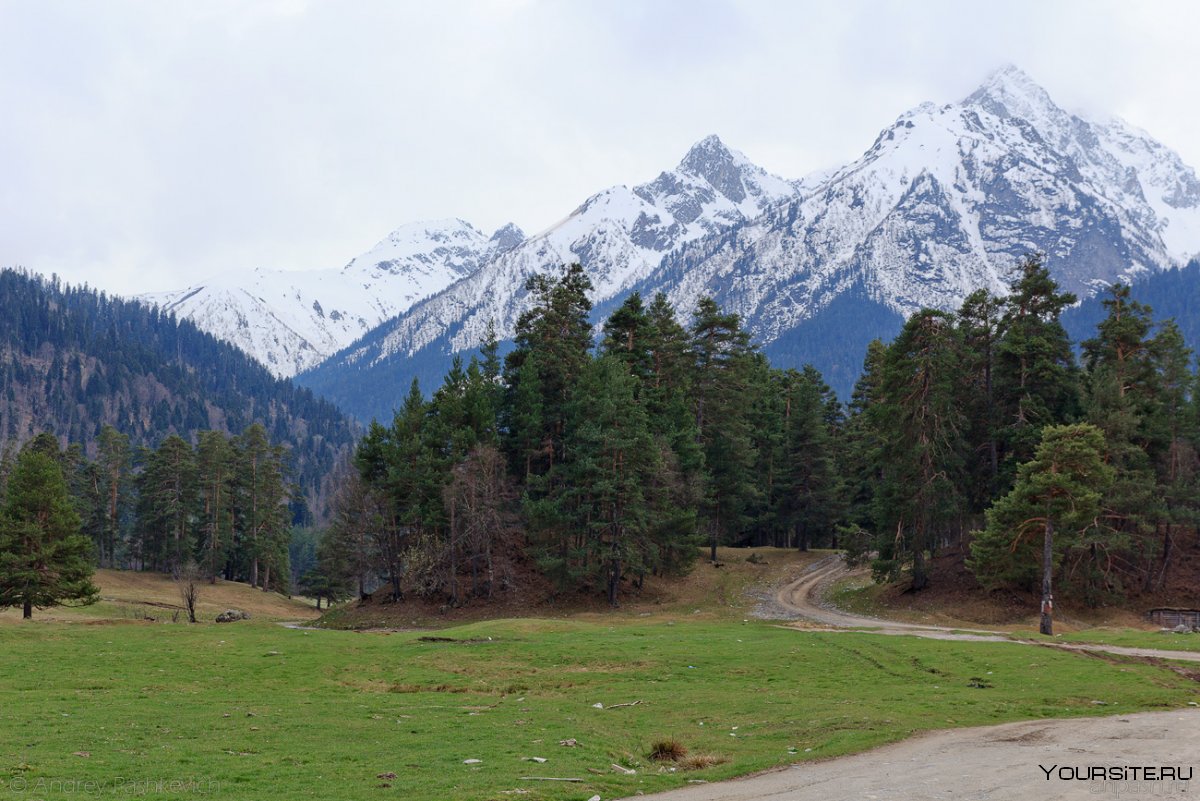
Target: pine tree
(611, 460)
(1179, 466)
(400, 466)
(1036, 382)
(919, 500)
(979, 324)
(1126, 401)
(810, 502)
(215, 467)
(527, 437)
(166, 506)
(262, 512)
(628, 334)
(1057, 494)
(358, 514)
(557, 330)
(722, 360)
(44, 559)
(862, 442)
(115, 464)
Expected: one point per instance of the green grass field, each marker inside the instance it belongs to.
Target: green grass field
(257, 711)
(1125, 637)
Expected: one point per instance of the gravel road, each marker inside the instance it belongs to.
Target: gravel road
(998, 763)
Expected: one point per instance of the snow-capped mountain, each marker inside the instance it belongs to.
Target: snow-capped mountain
(619, 235)
(947, 200)
(291, 321)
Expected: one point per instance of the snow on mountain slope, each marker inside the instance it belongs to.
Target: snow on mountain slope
(291, 321)
(619, 235)
(947, 200)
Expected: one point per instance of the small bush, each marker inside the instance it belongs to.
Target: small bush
(667, 750)
(701, 761)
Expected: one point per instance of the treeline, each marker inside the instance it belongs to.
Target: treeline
(73, 360)
(218, 508)
(596, 467)
(979, 429)
(600, 464)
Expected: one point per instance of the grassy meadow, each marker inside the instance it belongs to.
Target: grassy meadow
(257, 711)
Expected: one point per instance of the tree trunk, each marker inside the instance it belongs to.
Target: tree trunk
(453, 559)
(920, 579)
(1047, 626)
(27, 612)
(266, 577)
(254, 572)
(614, 579)
(1166, 558)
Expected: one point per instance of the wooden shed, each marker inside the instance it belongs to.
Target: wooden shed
(1170, 617)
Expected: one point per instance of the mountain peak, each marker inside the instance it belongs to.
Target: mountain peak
(1010, 75)
(507, 237)
(703, 154)
(1010, 92)
(722, 168)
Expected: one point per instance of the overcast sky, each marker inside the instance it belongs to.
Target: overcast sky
(145, 145)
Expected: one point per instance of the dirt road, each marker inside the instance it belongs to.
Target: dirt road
(805, 598)
(998, 763)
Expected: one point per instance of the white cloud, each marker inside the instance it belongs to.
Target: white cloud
(148, 144)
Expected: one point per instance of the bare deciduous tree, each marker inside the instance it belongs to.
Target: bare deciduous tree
(188, 579)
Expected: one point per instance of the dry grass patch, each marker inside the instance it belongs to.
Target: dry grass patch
(701, 761)
(667, 750)
(129, 595)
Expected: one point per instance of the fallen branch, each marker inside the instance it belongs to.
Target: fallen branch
(617, 706)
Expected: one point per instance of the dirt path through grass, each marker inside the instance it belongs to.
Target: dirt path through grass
(805, 597)
(999, 763)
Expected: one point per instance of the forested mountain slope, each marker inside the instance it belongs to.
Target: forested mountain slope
(73, 359)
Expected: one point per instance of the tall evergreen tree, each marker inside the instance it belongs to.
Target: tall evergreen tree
(114, 462)
(1125, 401)
(810, 502)
(979, 323)
(1057, 495)
(919, 501)
(216, 472)
(611, 462)
(722, 362)
(261, 507)
(557, 330)
(1036, 381)
(1179, 466)
(44, 559)
(166, 506)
